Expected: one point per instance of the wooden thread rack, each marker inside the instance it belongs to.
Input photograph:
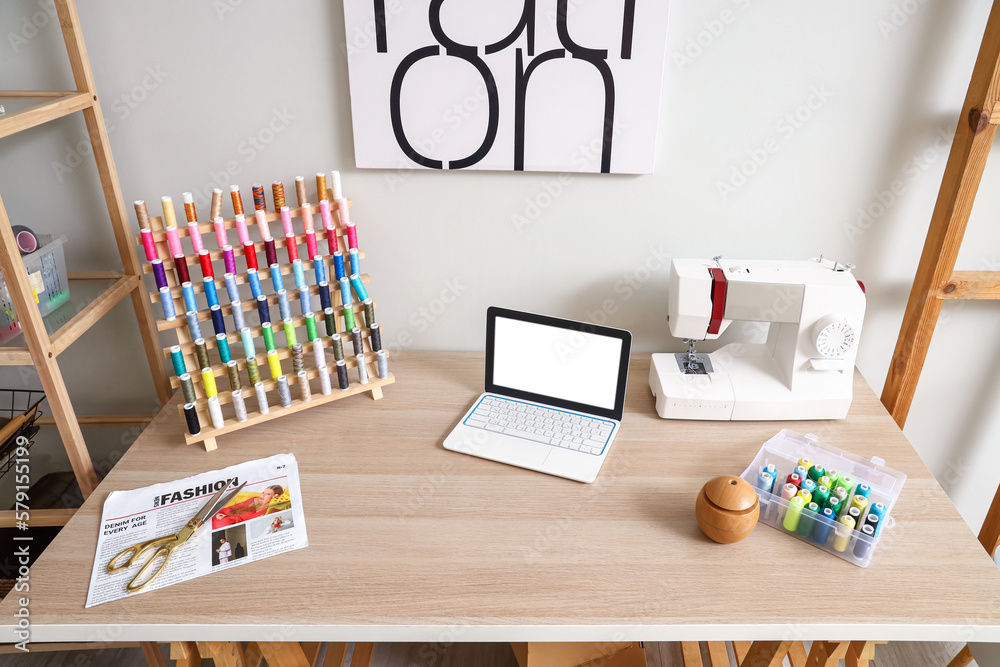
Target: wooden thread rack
(179, 325)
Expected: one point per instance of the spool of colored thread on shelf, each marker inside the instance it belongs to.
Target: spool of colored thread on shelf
(330, 318)
(788, 491)
(221, 238)
(311, 334)
(375, 342)
(319, 268)
(338, 347)
(298, 359)
(338, 265)
(356, 339)
(305, 300)
(324, 379)
(254, 280)
(298, 273)
(234, 191)
(324, 295)
(211, 295)
(173, 240)
(816, 472)
(823, 526)
(141, 214)
(247, 337)
(201, 352)
(263, 310)
(359, 287)
(191, 416)
(205, 259)
(860, 502)
(348, 318)
(821, 495)
(259, 202)
(148, 244)
(878, 511)
(764, 481)
(284, 393)
(286, 221)
(802, 472)
(159, 273)
(369, 306)
(805, 463)
(262, 406)
(181, 268)
(217, 321)
(274, 364)
(355, 261)
(290, 338)
(216, 208)
(242, 233)
(284, 308)
(808, 519)
(278, 194)
(342, 380)
(215, 412)
(311, 248)
(352, 238)
(189, 212)
(325, 215)
(362, 369)
(229, 258)
(194, 231)
(855, 514)
(863, 489)
(834, 476)
(319, 354)
(231, 289)
(267, 331)
(338, 190)
(844, 533)
(304, 386)
(194, 328)
(382, 365)
(238, 321)
(307, 219)
(177, 359)
(864, 541)
(846, 482)
(222, 343)
(253, 371)
(794, 513)
(262, 226)
(234, 375)
(208, 382)
(187, 388)
(292, 247)
(770, 468)
(276, 280)
(321, 185)
(345, 292)
(805, 495)
(187, 290)
(167, 301)
(808, 485)
(239, 405)
(824, 481)
(270, 251)
(300, 190)
(834, 504)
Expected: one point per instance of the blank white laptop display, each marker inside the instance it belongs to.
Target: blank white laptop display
(555, 393)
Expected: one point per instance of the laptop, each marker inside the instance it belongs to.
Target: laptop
(555, 393)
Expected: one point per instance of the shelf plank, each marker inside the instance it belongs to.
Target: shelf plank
(38, 518)
(44, 112)
(101, 420)
(15, 356)
(14, 94)
(971, 285)
(94, 311)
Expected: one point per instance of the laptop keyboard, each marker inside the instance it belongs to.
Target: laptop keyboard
(548, 426)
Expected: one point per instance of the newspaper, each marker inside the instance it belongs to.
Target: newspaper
(264, 520)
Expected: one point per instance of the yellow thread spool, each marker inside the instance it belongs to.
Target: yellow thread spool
(208, 382)
(274, 364)
(844, 533)
(806, 463)
(860, 502)
(805, 496)
(169, 220)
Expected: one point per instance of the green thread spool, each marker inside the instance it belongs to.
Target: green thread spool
(234, 375)
(187, 386)
(223, 344)
(821, 495)
(201, 352)
(824, 481)
(806, 521)
(846, 482)
(331, 321)
(253, 370)
(348, 317)
(268, 332)
(311, 327)
(816, 472)
(834, 476)
(178, 360)
(833, 502)
(338, 348)
(369, 312)
(290, 339)
(794, 513)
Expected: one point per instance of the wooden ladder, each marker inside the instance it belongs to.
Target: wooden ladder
(773, 654)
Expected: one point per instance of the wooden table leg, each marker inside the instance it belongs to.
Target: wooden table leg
(797, 654)
(225, 654)
(826, 654)
(253, 655)
(284, 654)
(741, 649)
(336, 654)
(154, 656)
(362, 654)
(766, 654)
(860, 653)
(691, 654)
(185, 653)
(718, 655)
(963, 658)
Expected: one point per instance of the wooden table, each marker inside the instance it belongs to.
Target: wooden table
(410, 542)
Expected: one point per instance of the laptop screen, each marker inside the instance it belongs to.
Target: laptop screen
(559, 362)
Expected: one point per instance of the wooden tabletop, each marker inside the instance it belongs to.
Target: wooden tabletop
(411, 542)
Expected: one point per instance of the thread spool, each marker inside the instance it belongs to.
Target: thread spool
(834, 476)
(844, 533)
(824, 481)
(267, 331)
(284, 308)
(242, 233)
(259, 202)
(262, 226)
(300, 190)
(375, 342)
(254, 278)
(276, 280)
(234, 375)
(877, 510)
(181, 268)
(238, 321)
(855, 514)
(221, 238)
(167, 301)
(352, 240)
(805, 495)
(307, 222)
(148, 244)
(324, 295)
(342, 380)
(362, 369)
(194, 327)
(863, 489)
(205, 260)
(311, 248)
(319, 268)
(305, 300)
(808, 519)
(369, 306)
(821, 495)
(232, 291)
(343, 212)
(864, 541)
(802, 472)
(356, 340)
(270, 251)
(770, 469)
(292, 247)
(859, 502)
(278, 194)
(824, 524)
(234, 191)
(290, 339)
(348, 318)
(180, 368)
(262, 406)
(229, 258)
(873, 521)
(816, 472)
(846, 482)
(211, 295)
(187, 291)
(321, 185)
(216, 208)
(355, 258)
(286, 221)
(794, 513)
(298, 358)
(253, 371)
(217, 322)
(263, 310)
(222, 343)
(159, 274)
(208, 382)
(215, 412)
(274, 364)
(808, 485)
(187, 388)
(299, 273)
(319, 355)
(324, 212)
(331, 321)
(834, 504)
(841, 494)
(284, 393)
(310, 326)
(239, 405)
(339, 272)
(338, 190)
(191, 416)
(788, 491)
(805, 463)
(304, 386)
(359, 287)
(382, 364)
(201, 352)
(763, 482)
(189, 212)
(324, 379)
(338, 347)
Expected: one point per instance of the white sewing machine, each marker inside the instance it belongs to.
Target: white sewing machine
(805, 369)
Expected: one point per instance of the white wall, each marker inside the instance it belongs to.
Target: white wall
(891, 76)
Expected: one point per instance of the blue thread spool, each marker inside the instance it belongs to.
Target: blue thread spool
(238, 321)
(189, 301)
(802, 472)
(276, 280)
(193, 327)
(770, 468)
(359, 288)
(338, 265)
(878, 510)
(283, 307)
(863, 489)
(262, 309)
(217, 323)
(345, 292)
(300, 276)
(355, 261)
(324, 295)
(231, 289)
(248, 346)
(178, 360)
(765, 481)
(254, 283)
(167, 301)
(210, 293)
(223, 344)
(320, 269)
(305, 299)
(824, 524)
(809, 486)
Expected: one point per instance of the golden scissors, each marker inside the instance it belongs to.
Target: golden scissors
(164, 546)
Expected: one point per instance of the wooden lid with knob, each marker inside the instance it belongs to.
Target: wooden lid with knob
(727, 509)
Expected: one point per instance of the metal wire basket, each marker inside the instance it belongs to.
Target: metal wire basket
(19, 413)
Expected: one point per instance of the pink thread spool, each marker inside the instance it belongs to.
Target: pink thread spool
(325, 215)
(148, 244)
(352, 236)
(292, 246)
(241, 229)
(195, 233)
(286, 221)
(311, 243)
(345, 215)
(220, 232)
(265, 231)
(230, 259)
(174, 241)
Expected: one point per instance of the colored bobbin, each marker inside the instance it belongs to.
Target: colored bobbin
(239, 405)
(262, 406)
(284, 393)
(342, 380)
(383, 364)
(191, 416)
(304, 386)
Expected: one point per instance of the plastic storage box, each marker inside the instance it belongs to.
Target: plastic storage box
(47, 274)
(784, 451)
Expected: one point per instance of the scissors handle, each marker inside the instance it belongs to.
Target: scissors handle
(135, 551)
(166, 550)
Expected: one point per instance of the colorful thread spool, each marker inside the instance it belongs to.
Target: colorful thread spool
(304, 386)
(217, 322)
(873, 521)
(263, 310)
(208, 382)
(211, 295)
(808, 519)
(231, 289)
(254, 279)
(824, 481)
(324, 295)
(290, 338)
(808, 485)
(187, 387)
(170, 228)
(247, 337)
(841, 493)
(298, 359)
(793, 478)
(222, 343)
(844, 533)
(159, 274)
(216, 207)
(278, 194)
(324, 213)
(788, 491)
(375, 342)
(855, 514)
(167, 301)
(194, 231)
(262, 406)
(234, 191)
(300, 190)
(284, 393)
(821, 495)
(189, 211)
(201, 352)
(205, 260)
(238, 321)
(234, 375)
(846, 482)
(324, 379)
(311, 334)
(194, 327)
(267, 331)
(253, 371)
(286, 220)
(338, 190)
(180, 368)
(794, 514)
(864, 541)
(816, 472)
(823, 526)
(307, 223)
(262, 226)
(149, 245)
(229, 258)
(863, 489)
(331, 321)
(239, 405)
(274, 364)
(860, 502)
(319, 268)
(355, 261)
(339, 272)
(382, 366)
(242, 233)
(348, 318)
(359, 287)
(338, 347)
(369, 306)
(276, 281)
(833, 502)
(802, 472)
(356, 339)
(321, 184)
(190, 302)
(284, 308)
(270, 251)
(805, 463)
(305, 300)
(805, 495)
(342, 380)
(259, 202)
(877, 510)
(299, 273)
(220, 231)
(215, 412)
(191, 416)
(311, 248)
(319, 354)
(362, 369)
(292, 247)
(352, 240)
(834, 476)
(181, 267)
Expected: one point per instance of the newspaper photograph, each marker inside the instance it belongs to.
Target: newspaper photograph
(263, 519)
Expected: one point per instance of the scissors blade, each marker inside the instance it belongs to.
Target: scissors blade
(209, 506)
(219, 503)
